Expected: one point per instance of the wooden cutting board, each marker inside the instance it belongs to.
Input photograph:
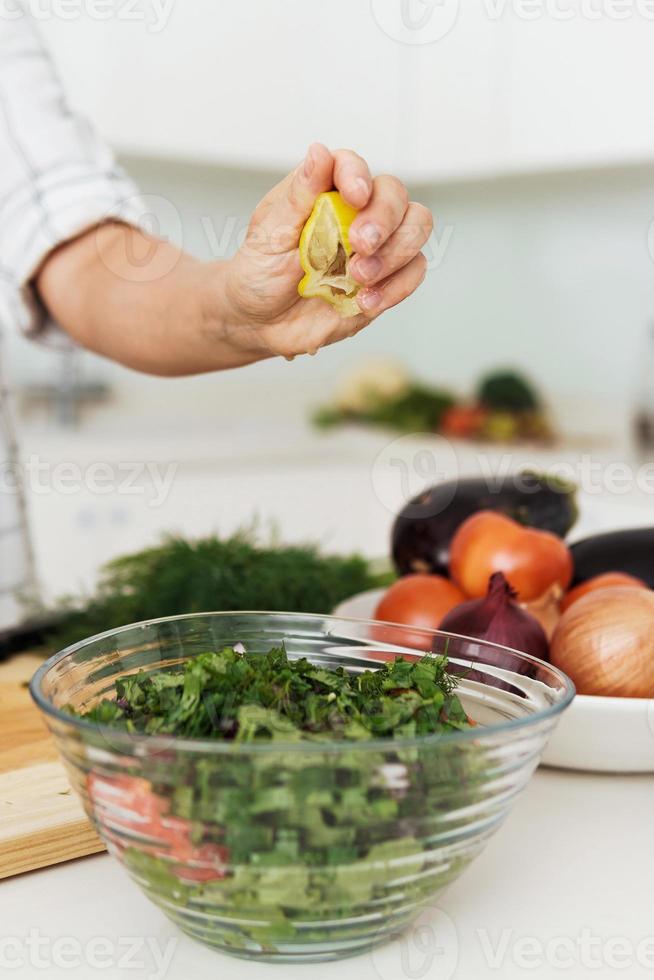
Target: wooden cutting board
(42, 821)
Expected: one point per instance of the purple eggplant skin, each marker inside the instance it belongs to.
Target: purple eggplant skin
(424, 528)
(630, 551)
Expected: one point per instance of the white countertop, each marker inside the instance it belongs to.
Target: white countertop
(564, 889)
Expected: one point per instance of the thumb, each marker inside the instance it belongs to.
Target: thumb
(292, 201)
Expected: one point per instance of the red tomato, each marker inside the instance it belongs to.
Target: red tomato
(207, 863)
(463, 421)
(419, 600)
(127, 802)
(176, 833)
(531, 560)
(146, 815)
(604, 581)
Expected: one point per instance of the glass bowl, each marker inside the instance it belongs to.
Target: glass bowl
(298, 851)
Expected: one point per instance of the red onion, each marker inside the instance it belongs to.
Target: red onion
(498, 619)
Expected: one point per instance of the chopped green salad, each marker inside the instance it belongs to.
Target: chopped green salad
(310, 841)
(235, 696)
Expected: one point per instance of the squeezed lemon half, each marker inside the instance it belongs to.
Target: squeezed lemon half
(325, 252)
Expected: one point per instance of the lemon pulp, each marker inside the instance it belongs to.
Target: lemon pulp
(325, 252)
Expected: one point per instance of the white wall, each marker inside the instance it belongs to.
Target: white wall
(550, 273)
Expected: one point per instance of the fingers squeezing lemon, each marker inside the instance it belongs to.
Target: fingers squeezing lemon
(325, 252)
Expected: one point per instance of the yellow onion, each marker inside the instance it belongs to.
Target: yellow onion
(546, 609)
(605, 643)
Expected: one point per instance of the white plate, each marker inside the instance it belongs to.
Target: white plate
(594, 734)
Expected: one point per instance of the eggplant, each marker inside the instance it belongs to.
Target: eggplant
(421, 535)
(630, 551)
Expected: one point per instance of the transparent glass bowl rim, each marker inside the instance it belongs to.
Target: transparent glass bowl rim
(203, 746)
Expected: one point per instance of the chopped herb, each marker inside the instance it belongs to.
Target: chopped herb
(233, 695)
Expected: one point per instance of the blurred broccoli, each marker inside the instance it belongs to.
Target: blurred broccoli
(507, 391)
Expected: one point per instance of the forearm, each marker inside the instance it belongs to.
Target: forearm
(144, 303)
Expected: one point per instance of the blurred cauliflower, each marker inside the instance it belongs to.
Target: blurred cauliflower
(374, 384)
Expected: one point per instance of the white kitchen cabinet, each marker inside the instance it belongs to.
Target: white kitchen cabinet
(452, 117)
(253, 83)
(499, 86)
(578, 90)
(239, 83)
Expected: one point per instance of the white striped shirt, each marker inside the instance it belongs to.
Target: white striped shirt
(57, 179)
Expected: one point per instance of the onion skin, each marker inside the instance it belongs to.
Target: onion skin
(604, 581)
(605, 643)
(546, 609)
(498, 619)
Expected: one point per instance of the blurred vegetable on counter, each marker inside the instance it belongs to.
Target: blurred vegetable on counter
(506, 408)
(507, 391)
(380, 381)
(464, 421)
(382, 393)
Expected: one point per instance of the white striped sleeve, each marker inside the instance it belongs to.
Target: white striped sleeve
(57, 178)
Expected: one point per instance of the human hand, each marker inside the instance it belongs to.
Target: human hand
(267, 317)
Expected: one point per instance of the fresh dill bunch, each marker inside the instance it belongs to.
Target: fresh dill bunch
(214, 574)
